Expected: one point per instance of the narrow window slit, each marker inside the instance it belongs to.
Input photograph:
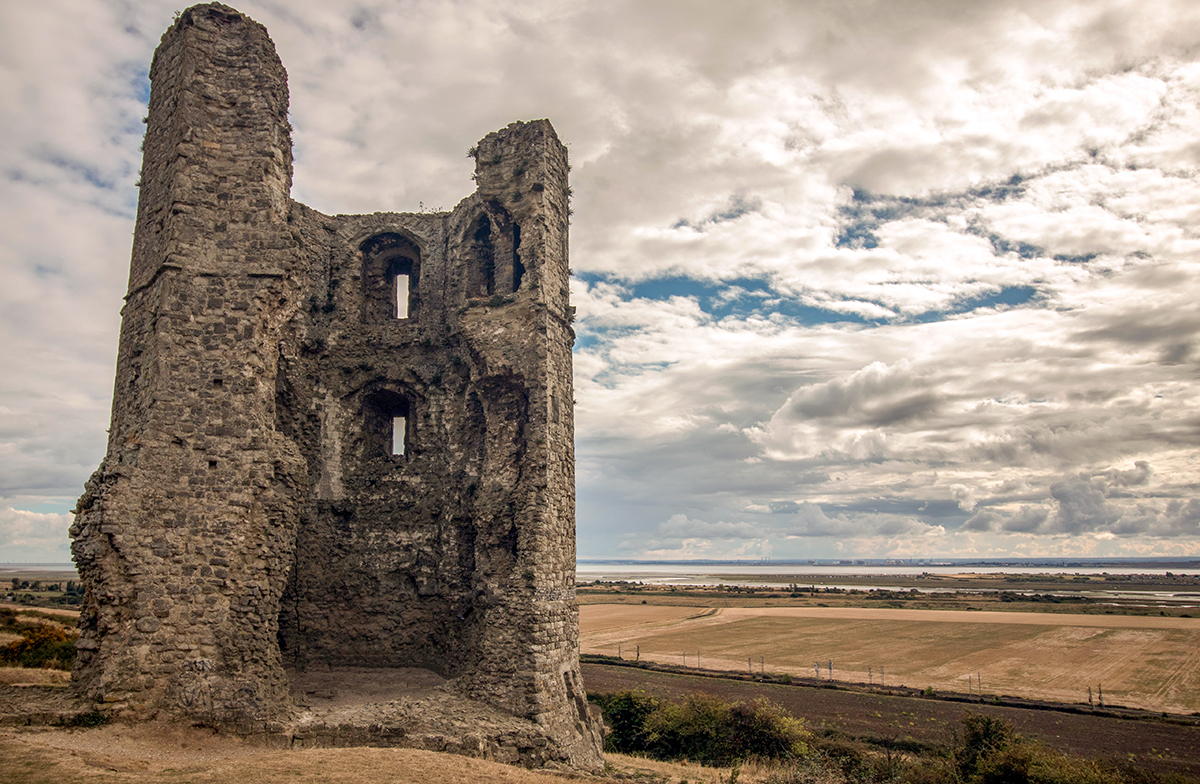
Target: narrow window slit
(399, 433)
(518, 269)
(401, 296)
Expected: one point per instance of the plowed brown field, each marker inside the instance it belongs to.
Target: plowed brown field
(1152, 745)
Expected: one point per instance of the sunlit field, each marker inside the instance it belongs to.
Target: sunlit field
(1143, 662)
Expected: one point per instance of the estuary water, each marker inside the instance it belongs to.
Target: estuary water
(784, 574)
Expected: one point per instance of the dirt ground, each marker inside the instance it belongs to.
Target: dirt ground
(1161, 746)
(1146, 662)
(26, 677)
(347, 686)
(150, 754)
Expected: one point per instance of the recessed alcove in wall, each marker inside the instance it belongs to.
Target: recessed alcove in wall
(391, 278)
(494, 265)
(484, 252)
(518, 269)
(388, 425)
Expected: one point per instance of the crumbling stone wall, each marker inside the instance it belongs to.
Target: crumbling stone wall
(336, 440)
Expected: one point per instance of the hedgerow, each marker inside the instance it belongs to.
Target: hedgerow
(983, 750)
(702, 728)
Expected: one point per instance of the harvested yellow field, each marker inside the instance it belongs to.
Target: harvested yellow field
(608, 617)
(1140, 661)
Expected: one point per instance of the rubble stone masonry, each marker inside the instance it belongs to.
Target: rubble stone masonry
(336, 441)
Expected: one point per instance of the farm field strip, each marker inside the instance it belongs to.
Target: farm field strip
(1161, 746)
(1139, 661)
(965, 616)
(618, 617)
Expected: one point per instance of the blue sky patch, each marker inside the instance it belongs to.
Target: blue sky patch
(738, 297)
(61, 506)
(1007, 297)
(738, 206)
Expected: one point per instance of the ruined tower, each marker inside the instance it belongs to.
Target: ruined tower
(336, 441)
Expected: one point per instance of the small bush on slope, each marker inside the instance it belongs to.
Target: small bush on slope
(985, 750)
(41, 646)
(702, 728)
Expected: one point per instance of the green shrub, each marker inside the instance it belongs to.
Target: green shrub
(991, 752)
(983, 737)
(702, 728)
(626, 713)
(690, 730)
(762, 729)
(41, 646)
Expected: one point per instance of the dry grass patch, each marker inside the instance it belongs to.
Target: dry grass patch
(27, 676)
(1151, 663)
(177, 754)
(674, 772)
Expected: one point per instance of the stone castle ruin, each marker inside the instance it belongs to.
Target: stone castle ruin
(337, 441)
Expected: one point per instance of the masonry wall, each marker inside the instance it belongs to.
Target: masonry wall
(303, 471)
(184, 535)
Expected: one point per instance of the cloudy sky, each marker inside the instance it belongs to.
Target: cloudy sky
(853, 278)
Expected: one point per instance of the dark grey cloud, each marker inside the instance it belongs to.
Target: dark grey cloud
(1028, 519)
(1137, 476)
(1082, 507)
(983, 520)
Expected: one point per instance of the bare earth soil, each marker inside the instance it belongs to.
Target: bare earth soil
(172, 754)
(184, 755)
(1146, 662)
(1154, 745)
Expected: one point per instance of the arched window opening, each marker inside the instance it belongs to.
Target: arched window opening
(391, 274)
(389, 425)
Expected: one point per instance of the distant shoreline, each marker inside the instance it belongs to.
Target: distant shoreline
(1158, 562)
